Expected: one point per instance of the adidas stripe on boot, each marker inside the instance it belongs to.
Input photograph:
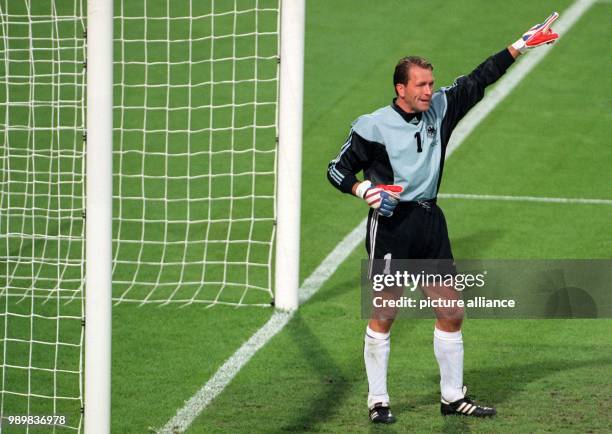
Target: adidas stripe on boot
(466, 407)
(381, 414)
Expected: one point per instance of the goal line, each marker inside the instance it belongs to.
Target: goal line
(509, 198)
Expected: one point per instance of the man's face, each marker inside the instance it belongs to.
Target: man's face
(415, 95)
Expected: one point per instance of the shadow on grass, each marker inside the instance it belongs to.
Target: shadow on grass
(332, 293)
(493, 386)
(336, 382)
(334, 385)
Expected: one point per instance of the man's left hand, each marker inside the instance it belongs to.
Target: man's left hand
(539, 34)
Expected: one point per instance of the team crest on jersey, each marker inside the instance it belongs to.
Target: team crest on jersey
(431, 131)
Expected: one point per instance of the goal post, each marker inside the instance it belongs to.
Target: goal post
(151, 155)
(289, 189)
(98, 216)
(196, 152)
(99, 190)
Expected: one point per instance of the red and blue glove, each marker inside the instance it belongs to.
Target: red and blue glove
(539, 34)
(383, 198)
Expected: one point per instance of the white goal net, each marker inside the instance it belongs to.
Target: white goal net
(42, 89)
(195, 150)
(194, 174)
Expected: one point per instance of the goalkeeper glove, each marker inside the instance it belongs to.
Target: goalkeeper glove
(538, 35)
(383, 198)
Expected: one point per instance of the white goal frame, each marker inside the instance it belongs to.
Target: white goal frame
(99, 191)
(98, 220)
(291, 96)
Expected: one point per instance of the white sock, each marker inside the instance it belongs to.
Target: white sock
(376, 355)
(448, 348)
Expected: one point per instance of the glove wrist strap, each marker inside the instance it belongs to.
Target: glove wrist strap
(362, 188)
(520, 45)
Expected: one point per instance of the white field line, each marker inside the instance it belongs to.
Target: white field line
(224, 375)
(192, 408)
(570, 200)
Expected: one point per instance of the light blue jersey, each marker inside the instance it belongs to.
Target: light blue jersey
(413, 147)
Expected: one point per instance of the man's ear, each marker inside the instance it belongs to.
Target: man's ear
(400, 89)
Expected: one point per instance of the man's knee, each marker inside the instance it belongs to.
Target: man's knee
(449, 324)
(381, 325)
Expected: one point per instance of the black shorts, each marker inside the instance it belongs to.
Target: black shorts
(416, 230)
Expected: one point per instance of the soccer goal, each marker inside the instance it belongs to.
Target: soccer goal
(156, 143)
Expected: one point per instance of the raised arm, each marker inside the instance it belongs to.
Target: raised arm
(469, 89)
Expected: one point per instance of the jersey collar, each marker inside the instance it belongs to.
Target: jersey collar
(411, 118)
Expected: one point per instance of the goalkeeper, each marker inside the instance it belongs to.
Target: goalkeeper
(401, 148)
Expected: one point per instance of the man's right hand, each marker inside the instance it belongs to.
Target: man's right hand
(383, 198)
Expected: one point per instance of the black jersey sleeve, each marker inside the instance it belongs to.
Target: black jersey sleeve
(468, 90)
(355, 156)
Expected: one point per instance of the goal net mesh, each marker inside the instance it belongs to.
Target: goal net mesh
(194, 156)
(42, 89)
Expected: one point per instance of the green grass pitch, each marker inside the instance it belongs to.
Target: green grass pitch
(550, 137)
